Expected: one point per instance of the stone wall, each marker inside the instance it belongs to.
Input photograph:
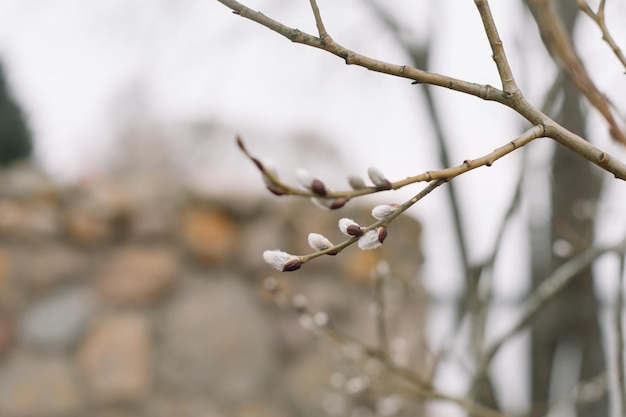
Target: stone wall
(113, 305)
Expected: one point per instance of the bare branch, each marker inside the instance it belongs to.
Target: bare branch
(499, 56)
(598, 18)
(435, 179)
(321, 29)
(486, 160)
(560, 47)
(320, 325)
(428, 176)
(548, 289)
(486, 270)
(486, 92)
(375, 226)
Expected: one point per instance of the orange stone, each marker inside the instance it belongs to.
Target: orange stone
(210, 234)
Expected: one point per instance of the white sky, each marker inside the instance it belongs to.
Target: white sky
(87, 71)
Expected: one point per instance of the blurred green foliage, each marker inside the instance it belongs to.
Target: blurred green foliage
(15, 138)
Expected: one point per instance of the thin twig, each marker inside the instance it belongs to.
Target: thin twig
(598, 18)
(435, 178)
(321, 29)
(486, 92)
(562, 51)
(487, 266)
(499, 56)
(549, 288)
(446, 173)
(381, 223)
(321, 325)
(619, 335)
(379, 276)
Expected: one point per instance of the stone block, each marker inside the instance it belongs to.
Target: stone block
(115, 359)
(34, 386)
(138, 274)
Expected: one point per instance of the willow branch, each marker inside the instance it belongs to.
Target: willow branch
(486, 160)
(486, 269)
(499, 56)
(598, 18)
(321, 29)
(281, 188)
(562, 51)
(486, 92)
(335, 249)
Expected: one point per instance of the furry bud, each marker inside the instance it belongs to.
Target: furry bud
(378, 179)
(384, 210)
(282, 261)
(349, 227)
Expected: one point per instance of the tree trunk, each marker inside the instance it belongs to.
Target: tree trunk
(572, 319)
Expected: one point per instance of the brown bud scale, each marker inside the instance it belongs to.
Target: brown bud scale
(318, 187)
(354, 230)
(382, 234)
(276, 191)
(258, 164)
(339, 203)
(292, 265)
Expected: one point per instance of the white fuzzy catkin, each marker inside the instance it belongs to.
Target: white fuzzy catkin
(318, 242)
(345, 223)
(377, 177)
(369, 240)
(277, 258)
(382, 211)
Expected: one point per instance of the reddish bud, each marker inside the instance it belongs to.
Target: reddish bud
(349, 227)
(292, 265)
(338, 203)
(240, 143)
(258, 164)
(276, 191)
(354, 230)
(282, 261)
(382, 234)
(318, 187)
